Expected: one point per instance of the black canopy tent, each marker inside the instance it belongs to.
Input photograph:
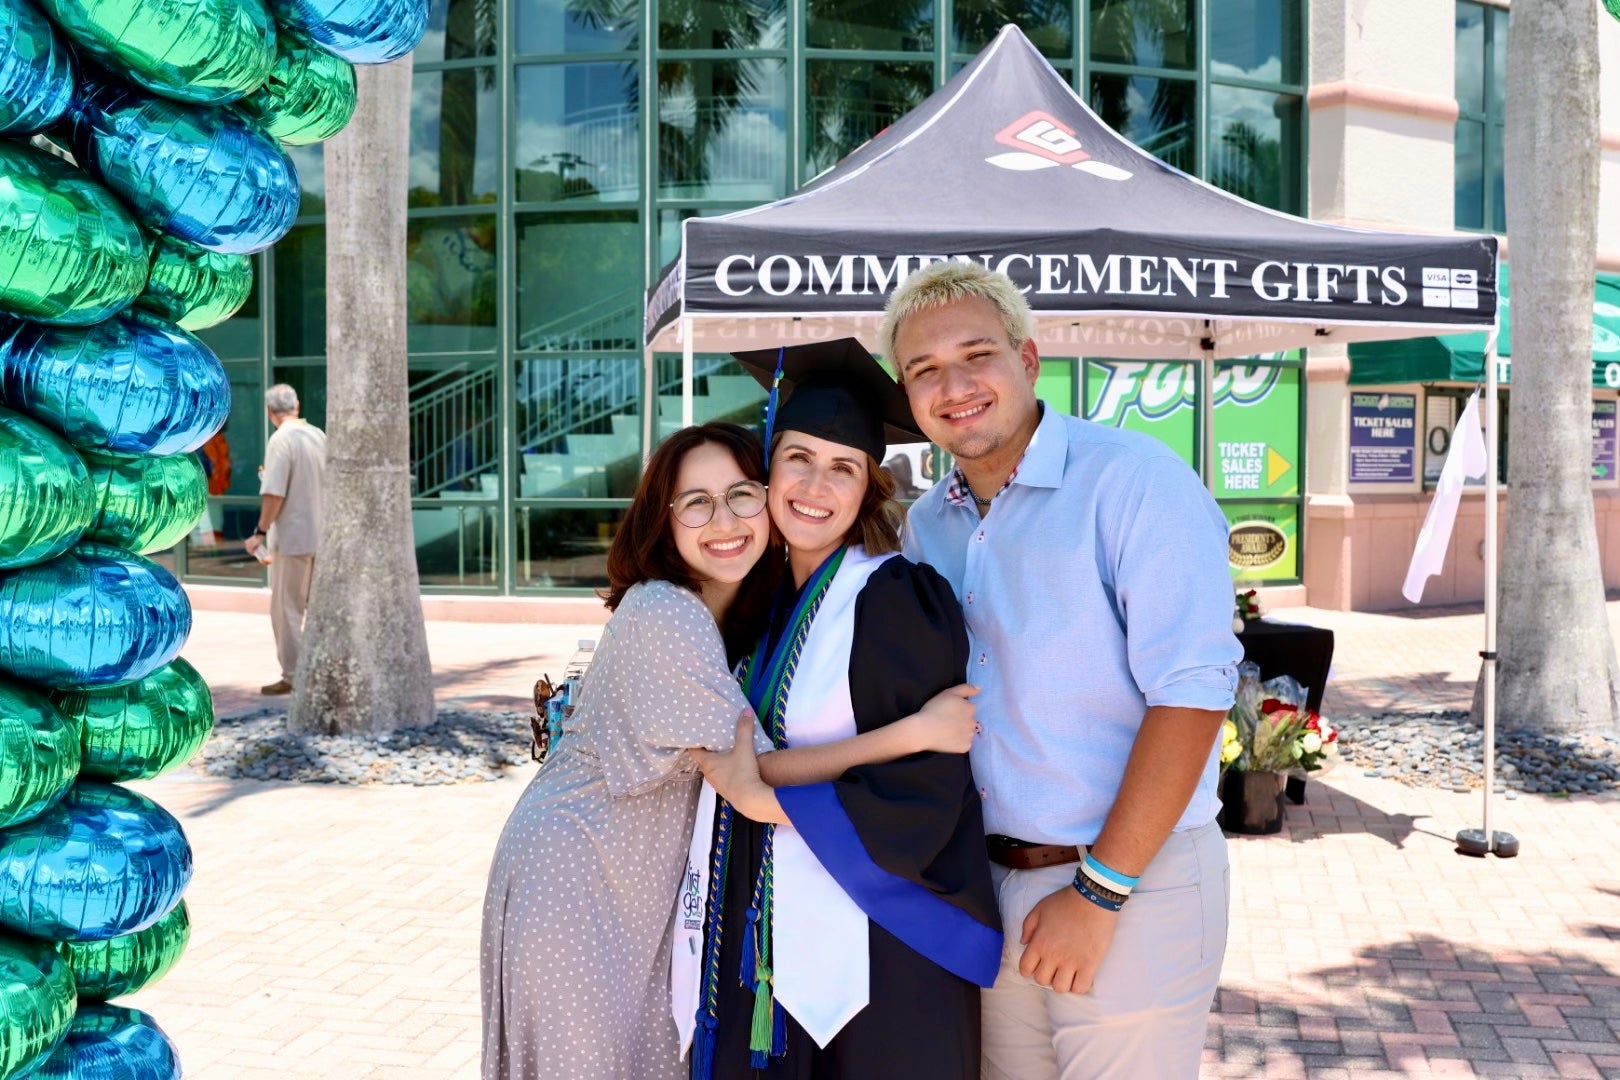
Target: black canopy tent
(1120, 254)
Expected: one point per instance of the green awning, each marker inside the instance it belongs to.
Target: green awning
(1460, 358)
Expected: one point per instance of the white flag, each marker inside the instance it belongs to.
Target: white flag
(1465, 459)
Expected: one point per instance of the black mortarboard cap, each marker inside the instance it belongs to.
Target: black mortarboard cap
(835, 390)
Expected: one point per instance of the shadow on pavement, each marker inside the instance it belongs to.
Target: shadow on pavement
(1404, 1005)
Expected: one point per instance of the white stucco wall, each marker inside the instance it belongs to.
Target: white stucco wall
(1609, 200)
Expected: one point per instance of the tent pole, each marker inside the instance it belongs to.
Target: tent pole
(1486, 840)
(1206, 406)
(1489, 669)
(649, 402)
(687, 326)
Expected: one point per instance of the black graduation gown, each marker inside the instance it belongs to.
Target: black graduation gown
(918, 818)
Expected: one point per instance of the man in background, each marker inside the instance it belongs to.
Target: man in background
(289, 522)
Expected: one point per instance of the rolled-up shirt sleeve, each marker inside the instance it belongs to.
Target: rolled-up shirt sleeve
(1174, 589)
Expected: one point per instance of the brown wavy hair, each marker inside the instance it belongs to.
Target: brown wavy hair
(877, 521)
(644, 549)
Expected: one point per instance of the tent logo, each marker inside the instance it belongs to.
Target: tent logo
(1042, 141)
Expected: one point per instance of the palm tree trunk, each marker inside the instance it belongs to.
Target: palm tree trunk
(365, 664)
(1558, 666)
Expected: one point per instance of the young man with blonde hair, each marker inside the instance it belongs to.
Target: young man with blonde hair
(1091, 565)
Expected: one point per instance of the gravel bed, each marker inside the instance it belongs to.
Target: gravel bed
(462, 746)
(1444, 750)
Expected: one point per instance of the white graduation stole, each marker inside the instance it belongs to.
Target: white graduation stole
(820, 958)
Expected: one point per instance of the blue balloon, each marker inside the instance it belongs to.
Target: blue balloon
(360, 31)
(36, 70)
(202, 173)
(102, 862)
(133, 384)
(95, 616)
(112, 1042)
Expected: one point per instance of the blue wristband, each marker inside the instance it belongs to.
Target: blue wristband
(1083, 887)
(1119, 881)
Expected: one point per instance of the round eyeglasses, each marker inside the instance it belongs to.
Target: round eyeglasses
(695, 509)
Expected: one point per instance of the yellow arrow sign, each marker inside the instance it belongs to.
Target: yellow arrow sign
(1276, 466)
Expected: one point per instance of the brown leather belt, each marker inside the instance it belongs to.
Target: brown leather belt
(1023, 855)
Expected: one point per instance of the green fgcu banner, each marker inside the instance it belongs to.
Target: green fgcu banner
(1257, 442)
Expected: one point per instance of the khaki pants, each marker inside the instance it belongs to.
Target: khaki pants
(289, 599)
(1147, 1011)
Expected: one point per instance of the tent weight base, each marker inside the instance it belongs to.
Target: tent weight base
(1472, 842)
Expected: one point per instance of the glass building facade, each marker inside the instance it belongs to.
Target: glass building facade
(556, 145)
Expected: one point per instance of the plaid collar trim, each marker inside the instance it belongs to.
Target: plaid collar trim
(957, 493)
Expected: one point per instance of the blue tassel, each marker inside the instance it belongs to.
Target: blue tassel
(703, 1047)
(778, 1030)
(750, 954)
(770, 405)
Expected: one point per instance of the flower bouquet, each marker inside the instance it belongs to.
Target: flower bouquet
(1268, 734)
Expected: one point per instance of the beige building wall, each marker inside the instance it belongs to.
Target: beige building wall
(1381, 111)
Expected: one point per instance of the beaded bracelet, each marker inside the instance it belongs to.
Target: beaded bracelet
(1104, 900)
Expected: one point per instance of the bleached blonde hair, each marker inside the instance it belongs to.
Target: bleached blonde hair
(941, 283)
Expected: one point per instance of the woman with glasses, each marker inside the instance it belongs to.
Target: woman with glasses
(576, 934)
(850, 923)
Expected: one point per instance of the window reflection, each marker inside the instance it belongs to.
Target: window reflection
(1252, 141)
(299, 259)
(1470, 70)
(1147, 33)
(453, 134)
(1155, 114)
(578, 427)
(564, 548)
(576, 26)
(450, 283)
(1254, 39)
(722, 24)
(310, 162)
(1048, 23)
(457, 544)
(850, 102)
(455, 430)
(579, 281)
(894, 26)
(721, 390)
(577, 128)
(458, 29)
(722, 128)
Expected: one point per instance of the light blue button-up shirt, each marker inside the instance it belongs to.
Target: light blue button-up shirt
(1096, 586)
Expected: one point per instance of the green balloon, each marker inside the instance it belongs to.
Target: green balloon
(140, 729)
(193, 287)
(109, 969)
(46, 501)
(309, 96)
(39, 754)
(37, 1003)
(70, 253)
(210, 51)
(144, 502)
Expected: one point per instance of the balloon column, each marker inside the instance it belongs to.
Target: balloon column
(141, 163)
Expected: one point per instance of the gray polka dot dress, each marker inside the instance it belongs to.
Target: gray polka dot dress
(577, 919)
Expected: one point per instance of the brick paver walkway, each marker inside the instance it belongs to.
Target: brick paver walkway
(336, 930)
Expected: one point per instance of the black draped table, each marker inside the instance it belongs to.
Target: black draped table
(1305, 652)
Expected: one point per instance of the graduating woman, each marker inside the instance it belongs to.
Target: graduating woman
(576, 936)
(851, 923)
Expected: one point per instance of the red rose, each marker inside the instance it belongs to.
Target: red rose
(1272, 705)
(1313, 723)
(1251, 593)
